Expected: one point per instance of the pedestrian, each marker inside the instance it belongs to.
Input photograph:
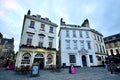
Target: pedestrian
(107, 65)
(103, 64)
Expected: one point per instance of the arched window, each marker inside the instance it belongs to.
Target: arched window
(111, 51)
(39, 56)
(26, 58)
(49, 58)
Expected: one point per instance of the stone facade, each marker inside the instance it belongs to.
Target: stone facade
(112, 44)
(78, 45)
(6, 47)
(38, 42)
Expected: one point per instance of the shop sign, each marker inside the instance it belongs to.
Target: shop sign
(35, 70)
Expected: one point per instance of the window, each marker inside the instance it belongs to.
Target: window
(67, 44)
(101, 39)
(94, 36)
(87, 34)
(42, 27)
(117, 52)
(97, 48)
(111, 51)
(49, 58)
(103, 49)
(100, 48)
(91, 58)
(74, 33)
(80, 34)
(82, 44)
(67, 33)
(51, 29)
(75, 44)
(115, 44)
(41, 39)
(29, 40)
(72, 59)
(26, 58)
(99, 58)
(50, 42)
(98, 38)
(110, 46)
(89, 44)
(32, 24)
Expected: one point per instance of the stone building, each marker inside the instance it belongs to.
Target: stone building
(38, 42)
(80, 45)
(112, 44)
(6, 47)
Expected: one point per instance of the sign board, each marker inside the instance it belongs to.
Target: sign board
(35, 70)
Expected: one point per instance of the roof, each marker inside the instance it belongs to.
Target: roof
(112, 37)
(4, 40)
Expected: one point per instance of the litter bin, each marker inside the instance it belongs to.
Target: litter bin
(64, 65)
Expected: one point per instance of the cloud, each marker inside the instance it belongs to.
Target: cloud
(10, 4)
(2, 12)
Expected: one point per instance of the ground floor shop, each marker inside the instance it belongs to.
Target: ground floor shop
(43, 57)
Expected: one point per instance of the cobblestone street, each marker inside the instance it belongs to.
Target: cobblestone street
(98, 73)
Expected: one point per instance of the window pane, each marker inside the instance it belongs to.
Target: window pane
(87, 35)
(32, 23)
(67, 44)
(81, 34)
(75, 44)
(74, 34)
(29, 40)
(42, 27)
(41, 41)
(26, 58)
(67, 33)
(50, 42)
(89, 44)
(91, 58)
(72, 59)
(51, 30)
(82, 44)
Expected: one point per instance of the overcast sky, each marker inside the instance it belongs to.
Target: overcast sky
(103, 15)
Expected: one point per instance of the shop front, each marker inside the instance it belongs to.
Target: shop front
(43, 57)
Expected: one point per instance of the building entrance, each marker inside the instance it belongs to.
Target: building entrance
(40, 60)
(84, 62)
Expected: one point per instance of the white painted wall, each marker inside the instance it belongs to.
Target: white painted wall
(65, 52)
(37, 31)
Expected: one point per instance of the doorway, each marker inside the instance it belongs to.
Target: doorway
(84, 62)
(40, 60)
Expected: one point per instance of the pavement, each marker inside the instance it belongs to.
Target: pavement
(85, 73)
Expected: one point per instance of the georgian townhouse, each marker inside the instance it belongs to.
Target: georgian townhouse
(38, 42)
(78, 45)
